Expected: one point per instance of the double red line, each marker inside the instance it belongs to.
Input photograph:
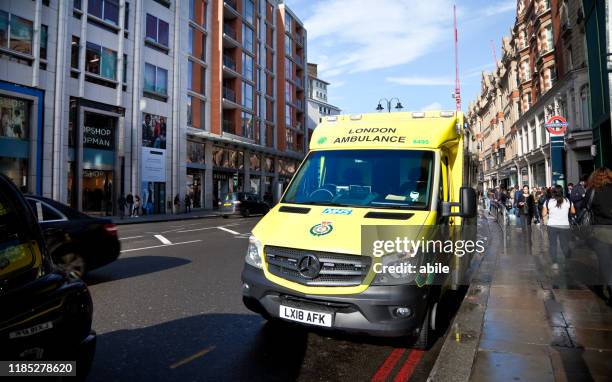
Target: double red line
(405, 371)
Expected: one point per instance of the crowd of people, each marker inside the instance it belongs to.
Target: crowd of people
(588, 202)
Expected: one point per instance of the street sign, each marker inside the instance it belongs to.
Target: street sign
(556, 125)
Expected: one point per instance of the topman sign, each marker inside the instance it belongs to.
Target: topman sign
(99, 138)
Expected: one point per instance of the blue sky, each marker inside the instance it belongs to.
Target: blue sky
(371, 49)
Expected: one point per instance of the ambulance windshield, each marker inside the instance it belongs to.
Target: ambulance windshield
(364, 178)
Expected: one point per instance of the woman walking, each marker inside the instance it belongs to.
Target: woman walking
(526, 209)
(558, 208)
(600, 189)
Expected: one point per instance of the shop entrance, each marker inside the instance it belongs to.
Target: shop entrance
(194, 187)
(98, 192)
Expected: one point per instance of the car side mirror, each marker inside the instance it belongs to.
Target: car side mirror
(467, 205)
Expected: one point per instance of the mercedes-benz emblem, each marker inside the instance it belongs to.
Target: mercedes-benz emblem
(309, 266)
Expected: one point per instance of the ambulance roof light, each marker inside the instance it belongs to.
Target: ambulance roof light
(418, 114)
(332, 118)
(447, 114)
(355, 117)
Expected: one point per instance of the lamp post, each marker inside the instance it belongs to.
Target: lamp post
(398, 106)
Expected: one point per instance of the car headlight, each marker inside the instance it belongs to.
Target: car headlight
(254, 253)
(396, 269)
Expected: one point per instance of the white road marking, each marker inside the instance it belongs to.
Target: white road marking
(163, 239)
(130, 237)
(228, 230)
(158, 246)
(204, 228)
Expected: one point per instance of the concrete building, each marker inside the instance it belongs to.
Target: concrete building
(318, 106)
(151, 97)
(542, 73)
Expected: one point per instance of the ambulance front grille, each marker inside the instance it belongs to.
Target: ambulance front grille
(337, 269)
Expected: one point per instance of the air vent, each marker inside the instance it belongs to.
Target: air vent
(388, 215)
(294, 210)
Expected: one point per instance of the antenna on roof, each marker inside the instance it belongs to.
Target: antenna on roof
(457, 84)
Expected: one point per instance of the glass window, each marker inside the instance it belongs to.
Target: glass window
(549, 38)
(149, 78)
(247, 95)
(92, 58)
(44, 31)
(288, 46)
(94, 7)
(109, 64)
(288, 22)
(352, 178)
(196, 77)
(21, 35)
(157, 30)
(4, 29)
(247, 66)
(189, 111)
(197, 12)
(248, 7)
(126, 22)
(247, 38)
(74, 52)
(247, 125)
(14, 118)
(288, 68)
(197, 44)
(288, 115)
(107, 10)
(125, 68)
(161, 83)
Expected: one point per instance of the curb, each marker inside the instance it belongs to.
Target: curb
(163, 218)
(456, 358)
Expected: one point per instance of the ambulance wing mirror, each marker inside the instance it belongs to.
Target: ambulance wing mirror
(467, 205)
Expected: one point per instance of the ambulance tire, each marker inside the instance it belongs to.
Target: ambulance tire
(427, 333)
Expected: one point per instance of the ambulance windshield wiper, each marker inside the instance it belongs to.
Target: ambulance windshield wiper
(331, 204)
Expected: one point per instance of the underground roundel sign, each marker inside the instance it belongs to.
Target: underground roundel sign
(321, 229)
(556, 125)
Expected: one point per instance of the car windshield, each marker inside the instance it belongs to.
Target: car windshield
(233, 196)
(364, 178)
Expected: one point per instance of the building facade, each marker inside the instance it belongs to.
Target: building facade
(156, 98)
(318, 106)
(542, 73)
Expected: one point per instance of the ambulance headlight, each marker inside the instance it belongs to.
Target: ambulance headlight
(254, 253)
(395, 269)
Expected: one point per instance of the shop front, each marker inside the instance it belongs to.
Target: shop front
(196, 171)
(20, 136)
(228, 172)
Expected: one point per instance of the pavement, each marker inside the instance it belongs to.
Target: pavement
(523, 321)
(199, 213)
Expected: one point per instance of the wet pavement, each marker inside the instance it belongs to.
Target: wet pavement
(542, 324)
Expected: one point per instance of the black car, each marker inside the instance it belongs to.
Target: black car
(45, 312)
(243, 203)
(77, 242)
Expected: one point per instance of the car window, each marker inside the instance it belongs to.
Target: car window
(41, 208)
(18, 255)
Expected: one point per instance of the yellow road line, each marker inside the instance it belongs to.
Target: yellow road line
(192, 357)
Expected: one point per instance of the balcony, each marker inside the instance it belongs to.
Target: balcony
(299, 40)
(228, 126)
(229, 99)
(229, 67)
(229, 35)
(300, 104)
(298, 60)
(299, 82)
(231, 9)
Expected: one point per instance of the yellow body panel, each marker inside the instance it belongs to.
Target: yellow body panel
(441, 134)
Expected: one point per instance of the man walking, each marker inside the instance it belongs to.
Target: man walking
(130, 204)
(121, 203)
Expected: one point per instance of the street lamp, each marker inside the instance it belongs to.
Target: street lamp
(398, 106)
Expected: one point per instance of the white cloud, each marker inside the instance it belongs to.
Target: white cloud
(367, 35)
(432, 106)
(421, 81)
(499, 7)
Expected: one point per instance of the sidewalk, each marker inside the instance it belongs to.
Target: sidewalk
(194, 214)
(522, 321)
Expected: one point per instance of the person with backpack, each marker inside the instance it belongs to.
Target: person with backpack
(558, 209)
(599, 204)
(578, 194)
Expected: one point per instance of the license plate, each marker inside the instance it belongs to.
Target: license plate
(227, 204)
(32, 330)
(306, 316)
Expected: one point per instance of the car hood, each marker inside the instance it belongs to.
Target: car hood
(328, 229)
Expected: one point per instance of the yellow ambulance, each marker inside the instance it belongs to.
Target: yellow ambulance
(305, 262)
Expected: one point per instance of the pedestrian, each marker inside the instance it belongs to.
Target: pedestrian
(187, 203)
(177, 204)
(526, 209)
(129, 199)
(136, 206)
(578, 194)
(121, 203)
(600, 186)
(557, 209)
